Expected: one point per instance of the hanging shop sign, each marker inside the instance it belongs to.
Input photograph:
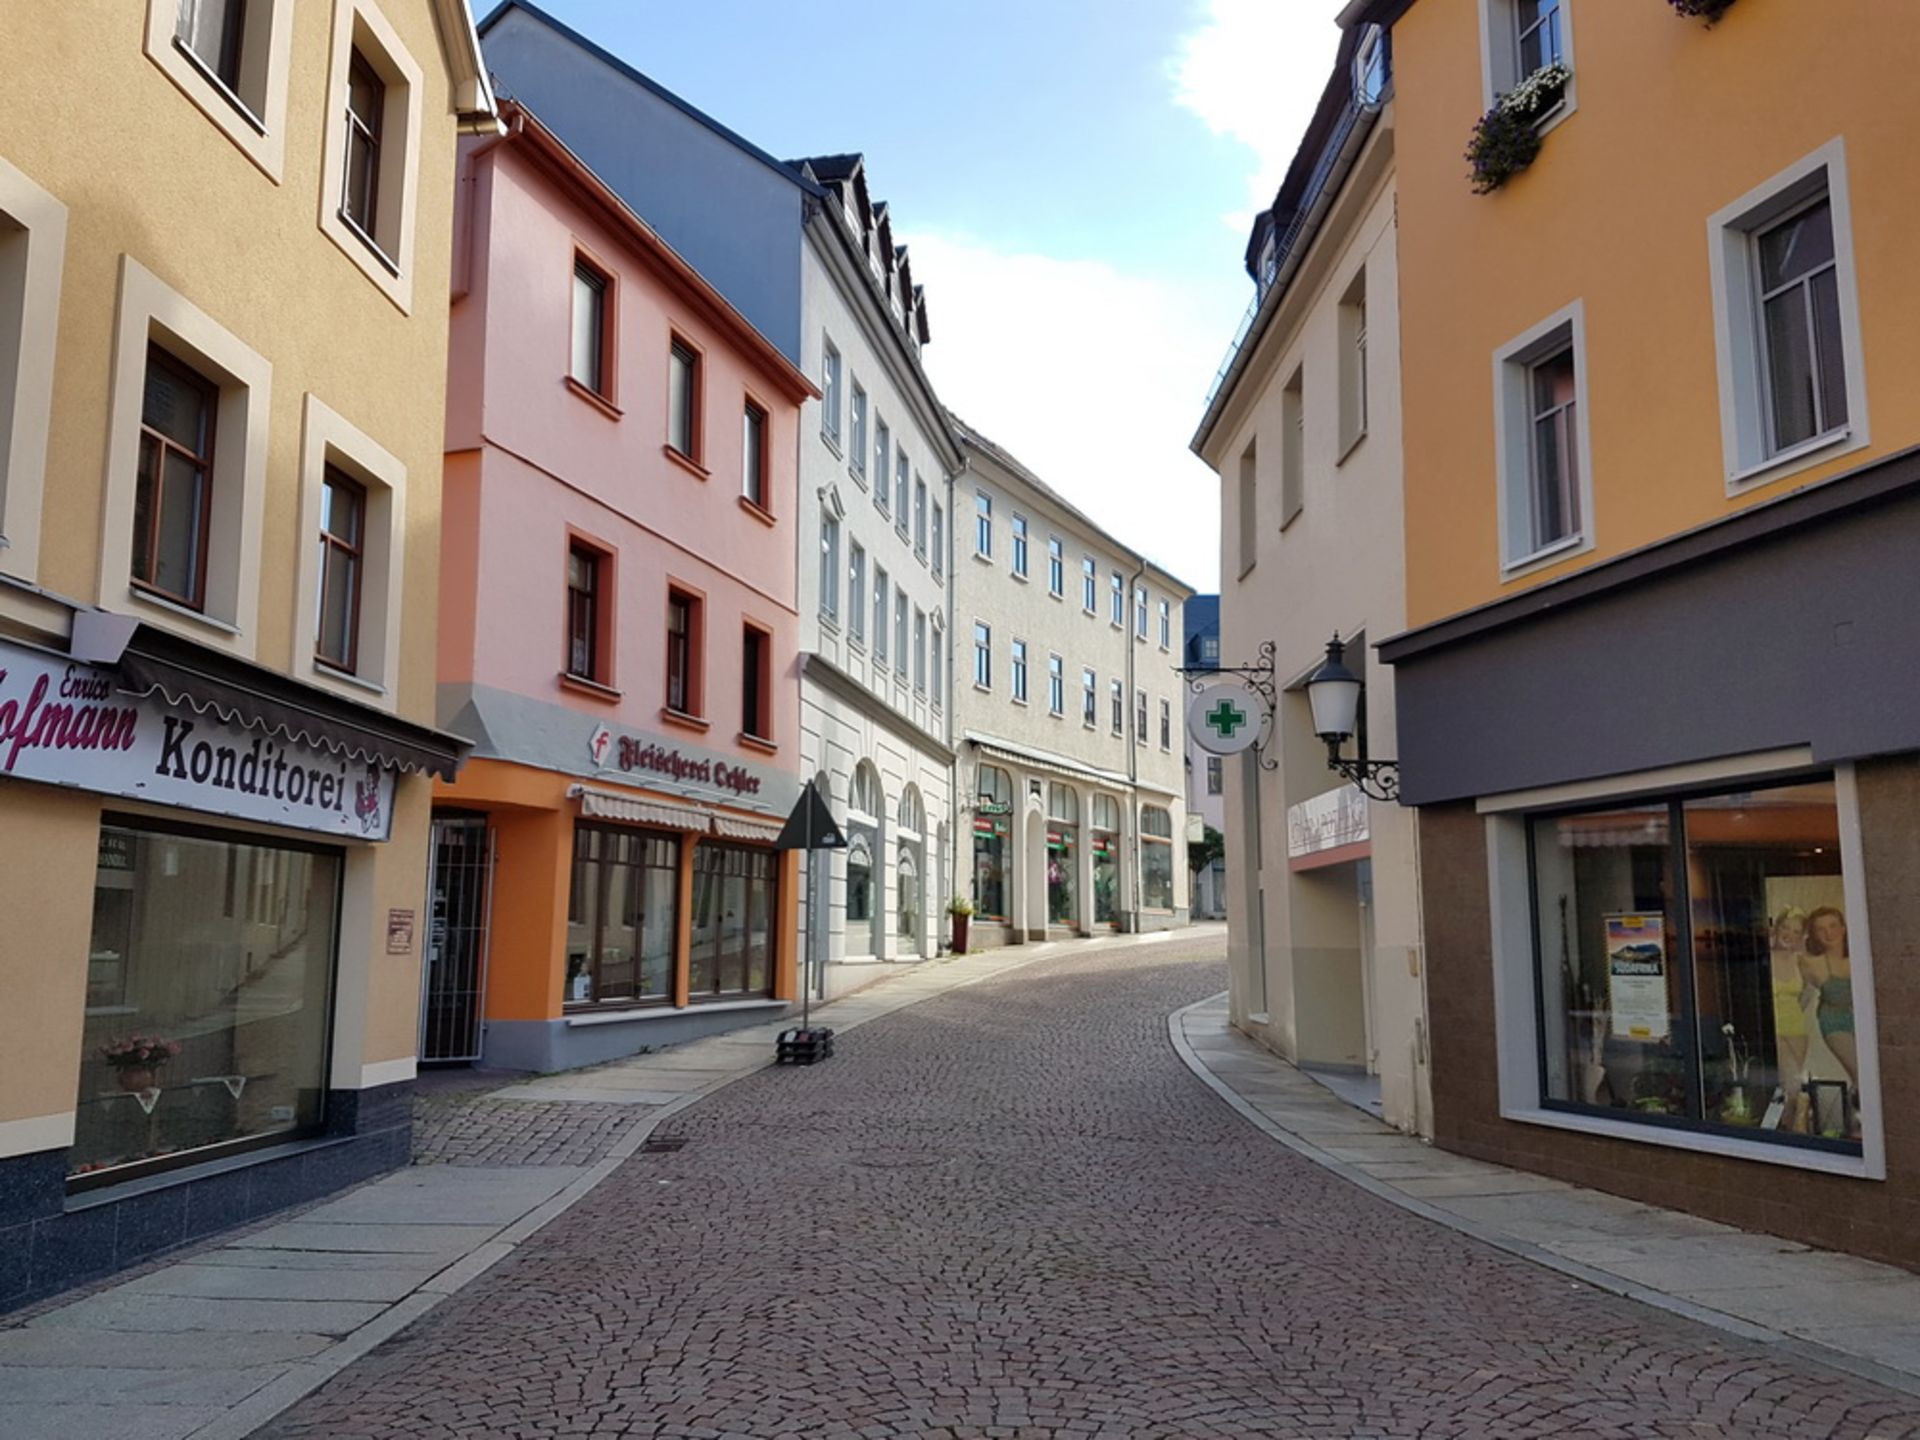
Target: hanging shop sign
(64, 723)
(1225, 719)
(1331, 820)
(632, 754)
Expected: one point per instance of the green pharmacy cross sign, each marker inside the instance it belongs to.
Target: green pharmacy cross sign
(1226, 719)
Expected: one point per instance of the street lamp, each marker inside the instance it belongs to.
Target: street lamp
(1333, 694)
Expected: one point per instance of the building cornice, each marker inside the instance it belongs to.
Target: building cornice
(829, 676)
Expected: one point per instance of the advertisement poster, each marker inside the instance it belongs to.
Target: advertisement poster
(1812, 1002)
(1637, 976)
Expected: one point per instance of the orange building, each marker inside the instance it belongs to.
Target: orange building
(618, 634)
(1657, 704)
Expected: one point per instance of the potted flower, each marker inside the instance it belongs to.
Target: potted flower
(1506, 139)
(136, 1059)
(1707, 10)
(961, 909)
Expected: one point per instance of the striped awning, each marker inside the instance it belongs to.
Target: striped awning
(734, 827)
(633, 810)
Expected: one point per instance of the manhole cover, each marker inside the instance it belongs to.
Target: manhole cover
(656, 1144)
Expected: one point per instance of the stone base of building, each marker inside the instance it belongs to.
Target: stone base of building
(547, 1046)
(844, 977)
(51, 1241)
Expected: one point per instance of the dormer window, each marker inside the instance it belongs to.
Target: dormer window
(1370, 67)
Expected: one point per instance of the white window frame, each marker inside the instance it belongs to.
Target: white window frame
(882, 591)
(1516, 1016)
(1017, 670)
(830, 567)
(1293, 447)
(982, 655)
(388, 260)
(832, 377)
(856, 594)
(150, 311)
(919, 651)
(33, 248)
(1089, 585)
(1500, 58)
(1019, 548)
(1247, 506)
(982, 525)
(1056, 686)
(1352, 315)
(1089, 698)
(1166, 625)
(1513, 440)
(858, 421)
(254, 119)
(937, 686)
(327, 438)
(1745, 438)
(937, 549)
(1141, 613)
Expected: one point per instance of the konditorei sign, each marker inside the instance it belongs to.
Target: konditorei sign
(67, 723)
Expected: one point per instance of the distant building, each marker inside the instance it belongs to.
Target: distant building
(1067, 713)
(1206, 774)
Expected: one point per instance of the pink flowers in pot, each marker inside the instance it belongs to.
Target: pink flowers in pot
(139, 1052)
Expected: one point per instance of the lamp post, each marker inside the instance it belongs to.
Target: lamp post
(1333, 694)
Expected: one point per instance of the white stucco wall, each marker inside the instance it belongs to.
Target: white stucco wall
(1321, 971)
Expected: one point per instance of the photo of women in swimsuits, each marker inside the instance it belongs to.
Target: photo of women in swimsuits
(1827, 971)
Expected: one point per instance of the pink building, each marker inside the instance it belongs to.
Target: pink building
(618, 633)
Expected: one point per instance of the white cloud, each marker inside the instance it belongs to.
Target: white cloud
(1093, 378)
(1252, 72)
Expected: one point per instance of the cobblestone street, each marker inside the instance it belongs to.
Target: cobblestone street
(1011, 1211)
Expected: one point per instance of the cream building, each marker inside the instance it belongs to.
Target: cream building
(1067, 714)
(223, 332)
(876, 491)
(1304, 430)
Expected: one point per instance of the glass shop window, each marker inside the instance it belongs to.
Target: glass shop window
(1694, 964)
(209, 995)
(622, 916)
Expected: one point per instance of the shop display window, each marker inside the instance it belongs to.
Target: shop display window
(1063, 861)
(622, 915)
(992, 836)
(733, 910)
(1104, 843)
(1694, 964)
(209, 991)
(1156, 858)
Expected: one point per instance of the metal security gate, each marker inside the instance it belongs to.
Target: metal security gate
(459, 901)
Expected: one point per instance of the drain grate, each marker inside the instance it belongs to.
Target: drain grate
(660, 1144)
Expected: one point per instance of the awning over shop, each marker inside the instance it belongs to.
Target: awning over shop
(633, 810)
(734, 828)
(156, 663)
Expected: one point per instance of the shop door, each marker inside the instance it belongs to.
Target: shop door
(454, 978)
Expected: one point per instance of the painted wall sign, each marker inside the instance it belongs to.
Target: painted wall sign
(630, 754)
(1327, 821)
(1226, 719)
(63, 723)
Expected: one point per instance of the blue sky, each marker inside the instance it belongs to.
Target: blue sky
(1073, 178)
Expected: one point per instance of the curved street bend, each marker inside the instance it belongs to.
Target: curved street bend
(1012, 1211)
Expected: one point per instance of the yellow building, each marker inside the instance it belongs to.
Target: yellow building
(225, 230)
(1656, 702)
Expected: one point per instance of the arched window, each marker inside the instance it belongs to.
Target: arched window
(1156, 858)
(859, 877)
(912, 816)
(907, 899)
(994, 787)
(1063, 803)
(867, 797)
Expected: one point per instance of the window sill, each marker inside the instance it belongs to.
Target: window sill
(832, 442)
(581, 685)
(988, 690)
(1540, 559)
(759, 512)
(858, 475)
(1019, 700)
(594, 398)
(983, 559)
(1701, 1142)
(830, 621)
(686, 721)
(140, 595)
(1796, 457)
(686, 462)
(220, 87)
(665, 1009)
(757, 742)
(1019, 575)
(387, 262)
(1348, 449)
(327, 671)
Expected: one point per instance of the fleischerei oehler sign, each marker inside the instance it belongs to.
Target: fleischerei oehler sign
(65, 723)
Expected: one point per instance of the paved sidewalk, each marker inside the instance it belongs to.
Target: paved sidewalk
(1844, 1312)
(213, 1346)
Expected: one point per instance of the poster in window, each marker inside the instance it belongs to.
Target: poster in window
(1812, 976)
(1637, 975)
